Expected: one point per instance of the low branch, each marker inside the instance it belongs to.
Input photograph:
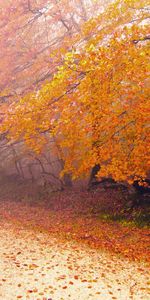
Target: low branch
(146, 38)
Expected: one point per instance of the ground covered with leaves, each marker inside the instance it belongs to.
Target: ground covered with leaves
(36, 265)
(64, 246)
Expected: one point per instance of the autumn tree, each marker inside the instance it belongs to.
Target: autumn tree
(96, 104)
(31, 31)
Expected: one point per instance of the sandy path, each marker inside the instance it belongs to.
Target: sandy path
(35, 266)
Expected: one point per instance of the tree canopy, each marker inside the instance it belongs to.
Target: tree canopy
(96, 103)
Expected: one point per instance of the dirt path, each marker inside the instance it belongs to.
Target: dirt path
(34, 265)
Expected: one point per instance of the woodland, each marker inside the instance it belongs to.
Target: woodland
(74, 137)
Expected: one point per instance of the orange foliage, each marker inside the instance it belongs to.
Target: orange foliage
(30, 31)
(96, 105)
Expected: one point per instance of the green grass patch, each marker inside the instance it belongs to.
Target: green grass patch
(138, 219)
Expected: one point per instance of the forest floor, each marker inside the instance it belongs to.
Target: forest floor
(60, 248)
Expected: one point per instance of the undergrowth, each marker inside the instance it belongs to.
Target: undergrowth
(140, 219)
